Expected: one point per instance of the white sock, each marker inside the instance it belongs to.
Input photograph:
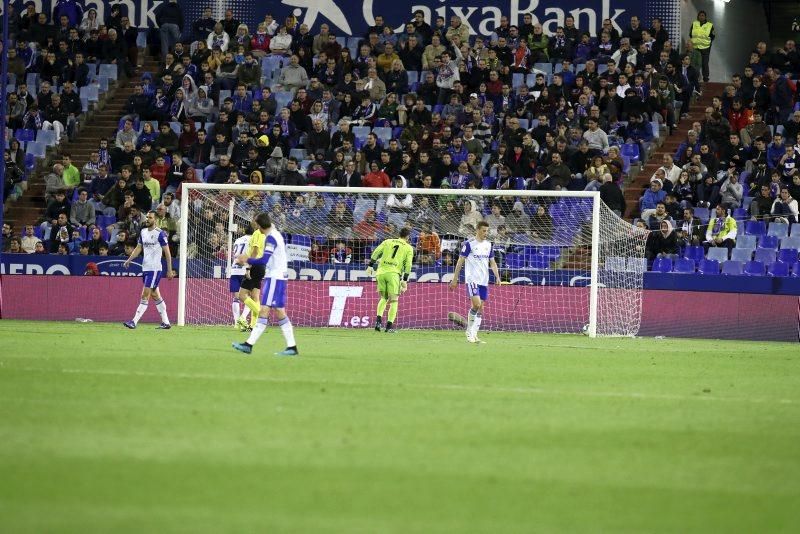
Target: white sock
(140, 311)
(236, 309)
(261, 325)
(288, 331)
(470, 322)
(476, 324)
(245, 313)
(162, 310)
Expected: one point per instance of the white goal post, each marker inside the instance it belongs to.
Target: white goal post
(568, 263)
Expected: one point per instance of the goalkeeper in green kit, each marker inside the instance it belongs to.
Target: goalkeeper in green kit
(393, 258)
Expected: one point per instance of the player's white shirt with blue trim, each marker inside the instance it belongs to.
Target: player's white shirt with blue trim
(275, 248)
(476, 256)
(151, 242)
(239, 248)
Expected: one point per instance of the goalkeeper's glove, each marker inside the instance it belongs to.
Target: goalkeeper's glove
(370, 271)
(403, 286)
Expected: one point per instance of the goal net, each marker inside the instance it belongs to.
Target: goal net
(567, 263)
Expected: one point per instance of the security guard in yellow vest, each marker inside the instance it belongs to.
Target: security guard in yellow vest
(702, 35)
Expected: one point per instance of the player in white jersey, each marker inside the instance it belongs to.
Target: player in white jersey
(273, 293)
(477, 254)
(237, 273)
(153, 241)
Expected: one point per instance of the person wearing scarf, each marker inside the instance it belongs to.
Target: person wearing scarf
(665, 241)
(721, 230)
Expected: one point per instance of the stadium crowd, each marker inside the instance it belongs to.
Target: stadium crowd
(430, 107)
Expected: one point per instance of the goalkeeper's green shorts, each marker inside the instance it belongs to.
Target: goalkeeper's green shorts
(388, 284)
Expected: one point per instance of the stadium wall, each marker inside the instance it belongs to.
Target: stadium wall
(691, 314)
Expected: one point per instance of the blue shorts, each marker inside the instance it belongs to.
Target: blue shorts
(236, 282)
(474, 290)
(151, 278)
(273, 293)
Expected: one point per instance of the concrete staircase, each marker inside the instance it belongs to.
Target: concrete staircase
(101, 121)
(641, 179)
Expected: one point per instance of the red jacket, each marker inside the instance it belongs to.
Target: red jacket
(740, 119)
(376, 179)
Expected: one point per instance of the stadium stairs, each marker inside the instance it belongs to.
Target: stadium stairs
(101, 121)
(633, 189)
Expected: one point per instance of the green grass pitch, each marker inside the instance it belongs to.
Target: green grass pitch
(108, 430)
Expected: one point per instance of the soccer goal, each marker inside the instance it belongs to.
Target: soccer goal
(567, 263)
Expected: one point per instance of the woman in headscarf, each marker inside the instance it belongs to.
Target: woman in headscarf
(665, 241)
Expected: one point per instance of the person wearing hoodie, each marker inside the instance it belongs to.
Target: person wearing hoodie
(275, 165)
(400, 203)
(201, 108)
(665, 241)
(470, 219)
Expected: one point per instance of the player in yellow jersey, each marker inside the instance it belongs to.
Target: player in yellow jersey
(250, 291)
(394, 258)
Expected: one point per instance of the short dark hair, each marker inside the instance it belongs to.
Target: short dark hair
(482, 224)
(405, 232)
(263, 220)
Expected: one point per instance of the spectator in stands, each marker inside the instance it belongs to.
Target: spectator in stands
(470, 218)
(721, 231)
(661, 242)
(376, 177)
(655, 218)
(689, 229)
(29, 240)
(612, 196)
(731, 191)
(126, 134)
(785, 206)
(651, 197)
(291, 175)
(293, 76)
(82, 213)
(775, 151)
(169, 18)
(60, 233)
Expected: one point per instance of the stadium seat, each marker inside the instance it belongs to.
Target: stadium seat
(523, 123)
(208, 172)
(703, 214)
(684, 266)
(742, 254)
(792, 241)
(755, 228)
(614, 263)
(301, 240)
(539, 261)
(32, 79)
(546, 68)
(48, 137)
(708, 267)
(630, 150)
(413, 76)
(768, 241)
(515, 261)
(84, 104)
(517, 80)
(636, 265)
(778, 268)
(109, 70)
(91, 92)
(489, 182)
(765, 255)
(30, 162)
(746, 241)
(795, 230)
(24, 136)
(694, 253)
(753, 268)
(39, 150)
(778, 229)
(299, 153)
(383, 133)
(732, 267)
(740, 214)
(361, 132)
(662, 265)
(796, 269)
(718, 254)
(788, 255)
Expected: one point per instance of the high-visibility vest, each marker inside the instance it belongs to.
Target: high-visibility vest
(701, 34)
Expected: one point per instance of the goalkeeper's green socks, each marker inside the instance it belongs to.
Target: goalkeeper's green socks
(392, 312)
(381, 307)
(255, 308)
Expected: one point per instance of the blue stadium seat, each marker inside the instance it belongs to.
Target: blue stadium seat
(109, 70)
(793, 241)
(302, 240)
(684, 266)
(523, 123)
(489, 182)
(24, 136)
(39, 150)
(742, 254)
(91, 92)
(48, 137)
(778, 268)
(694, 253)
(753, 268)
(795, 230)
(515, 261)
(299, 153)
(517, 80)
(631, 150)
(768, 241)
(413, 76)
(361, 132)
(755, 228)
(539, 261)
(708, 267)
(746, 241)
(704, 214)
(740, 214)
(796, 269)
(383, 133)
(718, 254)
(778, 229)
(30, 162)
(662, 265)
(765, 255)
(788, 255)
(732, 267)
